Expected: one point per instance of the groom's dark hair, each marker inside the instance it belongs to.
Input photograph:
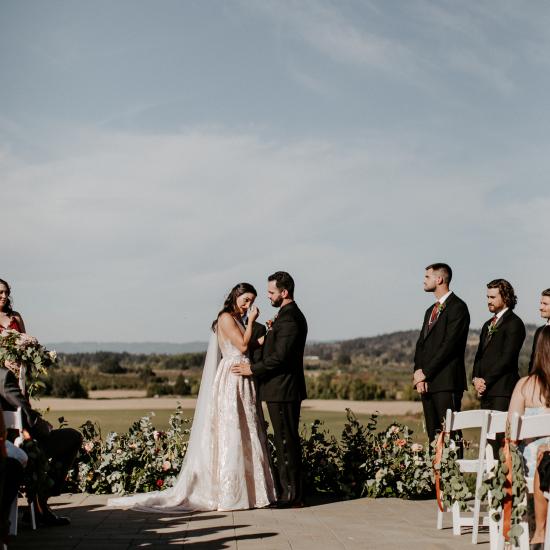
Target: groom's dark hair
(444, 269)
(283, 281)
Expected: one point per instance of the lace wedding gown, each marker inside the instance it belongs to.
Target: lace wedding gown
(226, 466)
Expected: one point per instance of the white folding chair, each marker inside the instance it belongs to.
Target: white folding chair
(497, 425)
(524, 428)
(460, 421)
(547, 534)
(14, 421)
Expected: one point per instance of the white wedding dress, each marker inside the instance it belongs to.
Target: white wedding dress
(226, 466)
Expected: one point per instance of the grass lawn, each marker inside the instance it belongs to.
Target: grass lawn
(120, 420)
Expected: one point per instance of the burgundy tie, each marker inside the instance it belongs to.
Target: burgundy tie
(434, 314)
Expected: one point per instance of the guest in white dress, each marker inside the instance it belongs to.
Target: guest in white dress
(532, 396)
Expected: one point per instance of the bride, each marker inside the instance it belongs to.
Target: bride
(226, 466)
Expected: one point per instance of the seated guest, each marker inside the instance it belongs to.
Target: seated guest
(544, 309)
(60, 446)
(532, 396)
(13, 460)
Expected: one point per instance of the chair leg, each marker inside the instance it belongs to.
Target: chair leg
(439, 519)
(457, 528)
(33, 515)
(13, 517)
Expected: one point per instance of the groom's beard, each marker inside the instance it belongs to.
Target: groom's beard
(277, 303)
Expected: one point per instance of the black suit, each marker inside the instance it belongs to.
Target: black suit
(440, 354)
(281, 383)
(496, 360)
(535, 340)
(61, 445)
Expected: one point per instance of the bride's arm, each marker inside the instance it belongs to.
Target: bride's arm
(232, 332)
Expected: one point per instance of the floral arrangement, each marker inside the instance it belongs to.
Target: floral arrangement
(141, 460)
(397, 466)
(363, 462)
(503, 487)
(17, 349)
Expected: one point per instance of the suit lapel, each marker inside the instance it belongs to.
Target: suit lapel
(427, 330)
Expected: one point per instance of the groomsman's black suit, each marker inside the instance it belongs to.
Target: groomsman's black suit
(496, 360)
(281, 383)
(535, 340)
(440, 354)
(61, 445)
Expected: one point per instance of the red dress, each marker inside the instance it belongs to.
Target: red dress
(14, 325)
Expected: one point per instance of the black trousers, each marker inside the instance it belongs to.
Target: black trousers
(435, 407)
(285, 419)
(13, 476)
(61, 446)
(496, 403)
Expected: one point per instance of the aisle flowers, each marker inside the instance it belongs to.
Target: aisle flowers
(18, 349)
(506, 489)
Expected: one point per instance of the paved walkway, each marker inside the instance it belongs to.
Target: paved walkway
(351, 525)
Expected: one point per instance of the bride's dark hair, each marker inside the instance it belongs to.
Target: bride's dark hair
(8, 307)
(230, 304)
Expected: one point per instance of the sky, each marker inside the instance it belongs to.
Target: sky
(155, 153)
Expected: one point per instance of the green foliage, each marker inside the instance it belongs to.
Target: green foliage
(329, 385)
(363, 462)
(454, 487)
(64, 384)
(495, 485)
(141, 460)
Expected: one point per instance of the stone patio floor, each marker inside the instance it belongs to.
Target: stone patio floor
(358, 524)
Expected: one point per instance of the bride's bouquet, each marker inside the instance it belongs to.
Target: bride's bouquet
(17, 350)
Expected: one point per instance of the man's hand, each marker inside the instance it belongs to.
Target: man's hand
(242, 369)
(422, 387)
(479, 385)
(418, 377)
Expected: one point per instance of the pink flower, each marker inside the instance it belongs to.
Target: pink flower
(416, 447)
(166, 465)
(88, 446)
(401, 442)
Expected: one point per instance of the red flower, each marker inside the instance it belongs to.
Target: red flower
(160, 483)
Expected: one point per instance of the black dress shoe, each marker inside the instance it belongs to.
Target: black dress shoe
(536, 546)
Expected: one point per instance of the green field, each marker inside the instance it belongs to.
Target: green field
(120, 420)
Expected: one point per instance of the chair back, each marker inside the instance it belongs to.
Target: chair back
(478, 418)
(497, 424)
(14, 421)
(530, 427)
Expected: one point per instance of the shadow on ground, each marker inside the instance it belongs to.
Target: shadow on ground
(99, 528)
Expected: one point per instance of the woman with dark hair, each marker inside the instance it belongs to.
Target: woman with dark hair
(532, 396)
(9, 319)
(226, 466)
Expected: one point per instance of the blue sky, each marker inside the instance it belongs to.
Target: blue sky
(152, 154)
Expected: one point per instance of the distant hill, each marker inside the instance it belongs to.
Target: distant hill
(168, 348)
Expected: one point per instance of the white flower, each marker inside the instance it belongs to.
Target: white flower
(416, 447)
(53, 355)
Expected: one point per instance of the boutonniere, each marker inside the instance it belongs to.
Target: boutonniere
(492, 329)
(440, 308)
(269, 323)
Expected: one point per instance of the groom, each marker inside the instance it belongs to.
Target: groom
(281, 383)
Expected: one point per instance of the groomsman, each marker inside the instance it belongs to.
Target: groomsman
(545, 314)
(439, 371)
(496, 362)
